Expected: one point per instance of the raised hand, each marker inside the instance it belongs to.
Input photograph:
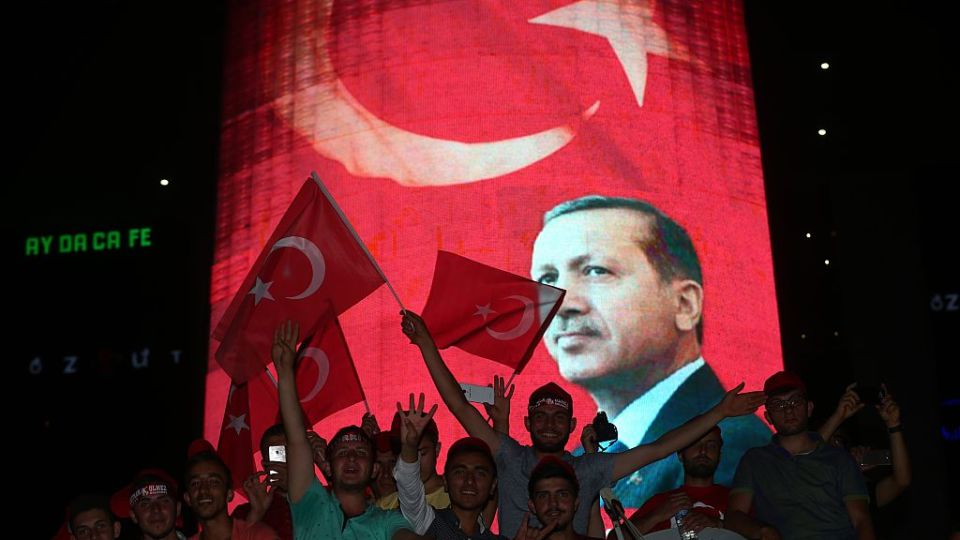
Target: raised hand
(588, 439)
(369, 424)
(849, 403)
(413, 422)
(736, 404)
(319, 446)
(414, 328)
(526, 532)
(499, 412)
(284, 351)
(888, 409)
(260, 498)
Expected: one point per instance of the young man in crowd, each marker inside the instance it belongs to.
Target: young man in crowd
(89, 518)
(797, 486)
(469, 477)
(705, 501)
(554, 497)
(155, 505)
(208, 491)
(343, 512)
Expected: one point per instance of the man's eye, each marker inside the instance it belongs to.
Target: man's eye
(548, 278)
(595, 271)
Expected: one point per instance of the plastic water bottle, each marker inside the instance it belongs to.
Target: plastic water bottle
(685, 535)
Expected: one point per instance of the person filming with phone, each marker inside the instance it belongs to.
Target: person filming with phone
(887, 472)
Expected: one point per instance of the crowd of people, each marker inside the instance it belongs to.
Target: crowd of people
(364, 483)
(629, 332)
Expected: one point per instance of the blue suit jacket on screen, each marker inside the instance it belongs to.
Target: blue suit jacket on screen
(700, 392)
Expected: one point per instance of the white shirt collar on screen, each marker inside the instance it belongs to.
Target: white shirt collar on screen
(634, 421)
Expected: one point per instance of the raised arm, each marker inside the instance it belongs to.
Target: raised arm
(733, 404)
(299, 451)
(410, 490)
(859, 513)
(891, 486)
(450, 391)
(848, 405)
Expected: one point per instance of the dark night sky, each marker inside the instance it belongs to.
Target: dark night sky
(105, 98)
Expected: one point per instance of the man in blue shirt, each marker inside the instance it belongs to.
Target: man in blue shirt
(797, 487)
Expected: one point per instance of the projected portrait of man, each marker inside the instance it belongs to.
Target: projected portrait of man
(630, 329)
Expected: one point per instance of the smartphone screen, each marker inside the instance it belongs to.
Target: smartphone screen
(277, 453)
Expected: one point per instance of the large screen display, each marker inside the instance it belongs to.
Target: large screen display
(457, 125)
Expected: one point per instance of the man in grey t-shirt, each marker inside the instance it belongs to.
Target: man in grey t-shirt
(549, 410)
(550, 422)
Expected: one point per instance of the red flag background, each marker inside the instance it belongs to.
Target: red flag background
(486, 311)
(512, 107)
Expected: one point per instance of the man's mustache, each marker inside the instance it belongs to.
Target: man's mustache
(575, 325)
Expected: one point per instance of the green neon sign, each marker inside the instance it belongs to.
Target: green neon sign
(82, 242)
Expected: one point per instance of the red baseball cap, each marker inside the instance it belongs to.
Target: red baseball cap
(550, 394)
(783, 381)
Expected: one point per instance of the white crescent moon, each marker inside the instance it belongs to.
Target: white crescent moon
(323, 371)
(317, 266)
(342, 129)
(526, 321)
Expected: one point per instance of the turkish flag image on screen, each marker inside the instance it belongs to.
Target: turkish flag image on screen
(456, 126)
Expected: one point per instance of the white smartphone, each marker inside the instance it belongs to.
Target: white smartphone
(477, 394)
(277, 453)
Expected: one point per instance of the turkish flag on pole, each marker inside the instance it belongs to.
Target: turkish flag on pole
(235, 446)
(324, 261)
(327, 382)
(488, 312)
(327, 379)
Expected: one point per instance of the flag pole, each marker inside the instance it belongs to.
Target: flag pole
(346, 222)
(508, 383)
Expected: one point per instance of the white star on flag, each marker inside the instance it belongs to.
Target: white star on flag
(260, 291)
(238, 423)
(484, 311)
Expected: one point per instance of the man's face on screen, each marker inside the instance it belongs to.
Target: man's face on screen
(616, 315)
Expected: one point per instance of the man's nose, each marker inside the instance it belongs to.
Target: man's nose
(575, 301)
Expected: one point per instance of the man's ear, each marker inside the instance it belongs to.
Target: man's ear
(526, 422)
(493, 487)
(116, 529)
(375, 470)
(186, 497)
(230, 495)
(133, 516)
(809, 408)
(689, 295)
(438, 448)
(767, 416)
(573, 424)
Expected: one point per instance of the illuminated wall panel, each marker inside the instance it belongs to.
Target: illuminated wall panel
(455, 125)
